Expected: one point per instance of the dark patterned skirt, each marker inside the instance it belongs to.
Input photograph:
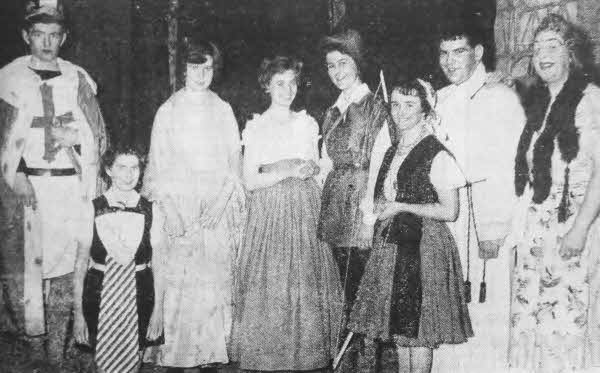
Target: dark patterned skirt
(444, 316)
(287, 299)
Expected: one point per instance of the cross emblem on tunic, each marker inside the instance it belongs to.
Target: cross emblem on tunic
(49, 121)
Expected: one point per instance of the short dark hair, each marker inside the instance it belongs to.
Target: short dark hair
(196, 50)
(463, 30)
(413, 88)
(111, 154)
(276, 65)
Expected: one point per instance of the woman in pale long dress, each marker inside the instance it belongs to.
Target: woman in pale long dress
(555, 323)
(193, 172)
(287, 294)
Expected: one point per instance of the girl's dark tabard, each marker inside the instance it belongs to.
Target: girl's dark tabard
(92, 286)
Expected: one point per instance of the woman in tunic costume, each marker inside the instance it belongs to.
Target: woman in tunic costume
(350, 128)
(288, 297)
(193, 172)
(353, 130)
(554, 310)
(412, 292)
(116, 289)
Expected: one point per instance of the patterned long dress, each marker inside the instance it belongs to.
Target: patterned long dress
(193, 138)
(288, 298)
(554, 321)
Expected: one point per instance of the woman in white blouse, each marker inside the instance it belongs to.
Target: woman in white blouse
(287, 294)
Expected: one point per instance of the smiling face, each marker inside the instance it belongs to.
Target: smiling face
(459, 60)
(44, 41)
(551, 58)
(407, 110)
(283, 88)
(199, 76)
(124, 172)
(342, 70)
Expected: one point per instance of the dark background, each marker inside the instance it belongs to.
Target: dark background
(123, 45)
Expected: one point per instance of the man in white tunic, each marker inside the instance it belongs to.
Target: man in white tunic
(480, 124)
(51, 136)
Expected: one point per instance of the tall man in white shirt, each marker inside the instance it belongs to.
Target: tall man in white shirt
(480, 123)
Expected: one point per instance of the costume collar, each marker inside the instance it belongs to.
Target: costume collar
(131, 200)
(68, 70)
(356, 95)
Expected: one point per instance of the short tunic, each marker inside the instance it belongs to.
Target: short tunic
(349, 141)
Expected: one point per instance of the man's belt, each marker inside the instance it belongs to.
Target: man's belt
(50, 171)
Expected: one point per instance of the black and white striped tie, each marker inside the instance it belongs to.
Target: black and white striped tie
(117, 347)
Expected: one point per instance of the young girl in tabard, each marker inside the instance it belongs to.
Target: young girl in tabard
(118, 298)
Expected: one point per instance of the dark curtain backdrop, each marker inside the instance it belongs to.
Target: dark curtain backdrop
(123, 45)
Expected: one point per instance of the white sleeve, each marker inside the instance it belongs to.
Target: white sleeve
(85, 233)
(587, 120)
(325, 164)
(311, 139)
(445, 173)
(157, 234)
(159, 160)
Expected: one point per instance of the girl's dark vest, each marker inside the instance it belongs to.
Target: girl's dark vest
(405, 229)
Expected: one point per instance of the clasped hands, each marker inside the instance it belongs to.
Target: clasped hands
(294, 167)
(383, 210)
(175, 225)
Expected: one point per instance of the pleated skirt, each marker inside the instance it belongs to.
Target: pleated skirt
(287, 298)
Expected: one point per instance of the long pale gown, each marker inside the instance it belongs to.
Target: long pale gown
(195, 135)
